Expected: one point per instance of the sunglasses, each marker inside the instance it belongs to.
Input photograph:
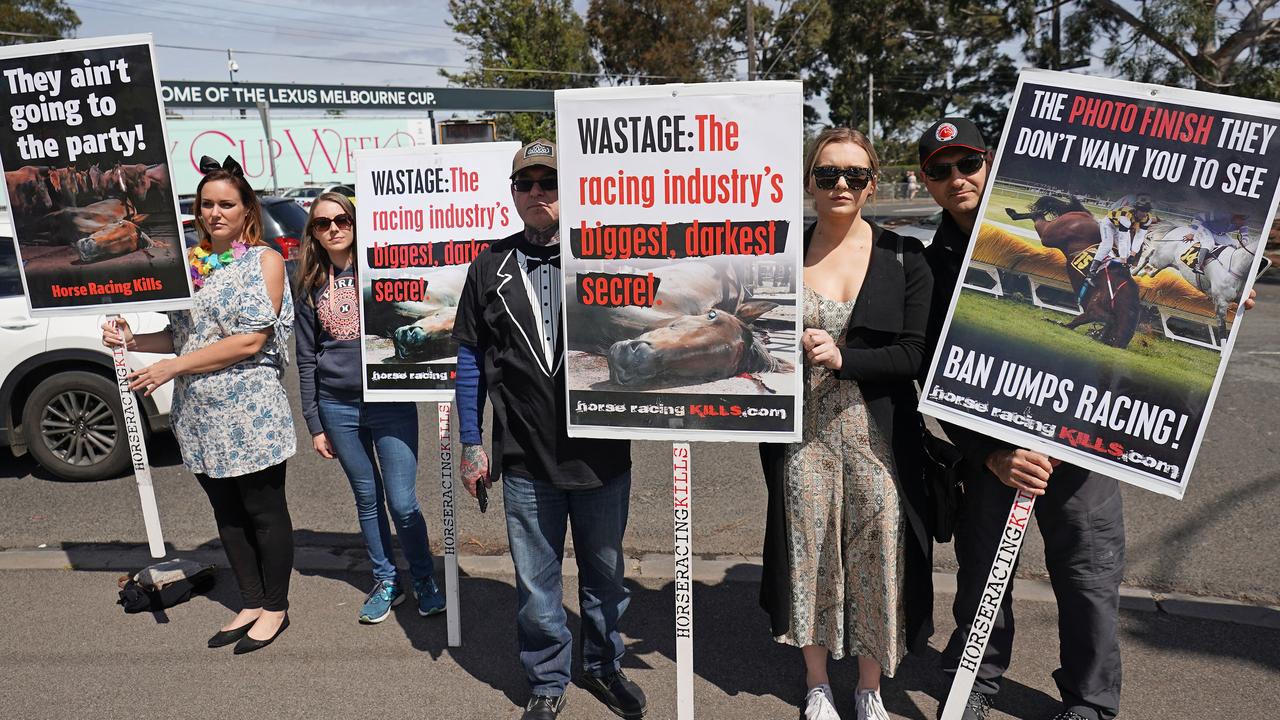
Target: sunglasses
(967, 165)
(548, 184)
(321, 224)
(825, 177)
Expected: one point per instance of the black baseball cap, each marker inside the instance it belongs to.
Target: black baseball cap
(948, 133)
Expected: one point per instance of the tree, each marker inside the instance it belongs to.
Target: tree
(1218, 46)
(650, 41)
(36, 20)
(527, 44)
(789, 43)
(929, 58)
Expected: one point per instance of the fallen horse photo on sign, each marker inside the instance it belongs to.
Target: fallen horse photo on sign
(87, 177)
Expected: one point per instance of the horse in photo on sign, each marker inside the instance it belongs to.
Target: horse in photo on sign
(1073, 231)
(117, 238)
(30, 192)
(699, 329)
(1224, 275)
(418, 330)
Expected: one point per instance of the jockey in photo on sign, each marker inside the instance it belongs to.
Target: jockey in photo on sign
(1123, 231)
(1218, 229)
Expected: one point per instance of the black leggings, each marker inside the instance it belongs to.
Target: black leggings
(256, 532)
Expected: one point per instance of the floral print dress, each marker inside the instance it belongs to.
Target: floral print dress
(236, 420)
(844, 526)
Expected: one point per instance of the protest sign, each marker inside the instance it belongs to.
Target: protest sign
(423, 214)
(1118, 233)
(680, 207)
(95, 219)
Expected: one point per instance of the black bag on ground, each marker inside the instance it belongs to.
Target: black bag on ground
(942, 482)
(164, 585)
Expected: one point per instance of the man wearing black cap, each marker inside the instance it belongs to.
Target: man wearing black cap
(1079, 514)
(512, 343)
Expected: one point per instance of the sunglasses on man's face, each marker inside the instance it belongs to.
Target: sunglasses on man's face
(322, 224)
(524, 185)
(855, 178)
(967, 165)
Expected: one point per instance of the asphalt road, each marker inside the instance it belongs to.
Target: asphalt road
(1216, 541)
(69, 652)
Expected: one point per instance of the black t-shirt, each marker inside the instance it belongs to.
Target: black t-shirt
(528, 394)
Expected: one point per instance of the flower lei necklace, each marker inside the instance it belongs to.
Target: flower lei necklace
(204, 262)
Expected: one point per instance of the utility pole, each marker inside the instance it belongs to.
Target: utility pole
(1056, 62)
(751, 40)
(871, 108)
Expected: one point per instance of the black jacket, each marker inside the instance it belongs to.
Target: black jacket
(883, 352)
(528, 394)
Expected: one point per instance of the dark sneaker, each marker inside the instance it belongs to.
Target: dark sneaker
(385, 595)
(975, 708)
(543, 707)
(618, 693)
(1069, 715)
(430, 599)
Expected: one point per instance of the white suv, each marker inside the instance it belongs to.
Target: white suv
(58, 398)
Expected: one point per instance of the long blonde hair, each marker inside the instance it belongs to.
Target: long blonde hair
(314, 264)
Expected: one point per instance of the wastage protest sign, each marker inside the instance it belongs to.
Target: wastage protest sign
(423, 214)
(83, 149)
(680, 210)
(1120, 229)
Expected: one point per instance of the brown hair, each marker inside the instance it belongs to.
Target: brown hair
(840, 135)
(313, 260)
(252, 234)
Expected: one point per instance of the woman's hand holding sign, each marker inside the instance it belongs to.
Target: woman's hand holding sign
(821, 349)
(1022, 469)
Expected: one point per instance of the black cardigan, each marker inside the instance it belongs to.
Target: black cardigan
(883, 351)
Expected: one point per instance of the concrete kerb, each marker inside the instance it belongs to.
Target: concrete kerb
(656, 566)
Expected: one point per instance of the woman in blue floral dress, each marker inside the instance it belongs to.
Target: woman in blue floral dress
(230, 413)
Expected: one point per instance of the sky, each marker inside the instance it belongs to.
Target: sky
(401, 31)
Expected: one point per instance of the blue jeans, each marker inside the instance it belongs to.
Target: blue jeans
(537, 514)
(377, 445)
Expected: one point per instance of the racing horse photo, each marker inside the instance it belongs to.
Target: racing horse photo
(1073, 231)
(1225, 271)
(700, 330)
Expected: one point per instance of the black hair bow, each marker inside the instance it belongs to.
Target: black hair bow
(208, 165)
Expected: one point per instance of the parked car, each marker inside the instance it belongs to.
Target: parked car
(58, 396)
(304, 196)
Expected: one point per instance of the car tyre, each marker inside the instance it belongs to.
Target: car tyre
(74, 426)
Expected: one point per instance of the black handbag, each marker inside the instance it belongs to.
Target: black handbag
(162, 586)
(942, 482)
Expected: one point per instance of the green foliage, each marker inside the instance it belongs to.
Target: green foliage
(1226, 46)
(657, 41)
(528, 44)
(45, 19)
(930, 58)
(789, 43)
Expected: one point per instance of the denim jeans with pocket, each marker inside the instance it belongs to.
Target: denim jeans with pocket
(537, 515)
(377, 445)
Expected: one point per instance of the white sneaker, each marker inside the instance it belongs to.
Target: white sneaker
(869, 707)
(819, 704)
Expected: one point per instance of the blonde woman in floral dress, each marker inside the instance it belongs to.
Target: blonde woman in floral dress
(842, 531)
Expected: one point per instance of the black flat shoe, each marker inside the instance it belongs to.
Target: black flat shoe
(248, 644)
(223, 638)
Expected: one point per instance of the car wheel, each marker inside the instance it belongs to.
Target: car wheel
(74, 426)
